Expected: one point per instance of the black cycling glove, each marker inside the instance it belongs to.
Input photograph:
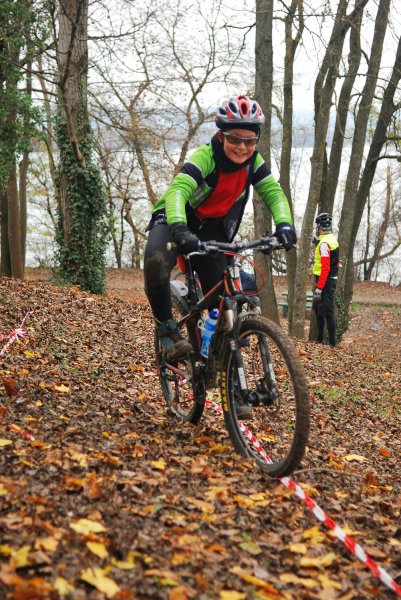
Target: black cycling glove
(286, 235)
(185, 240)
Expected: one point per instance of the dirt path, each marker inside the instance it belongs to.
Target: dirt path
(114, 493)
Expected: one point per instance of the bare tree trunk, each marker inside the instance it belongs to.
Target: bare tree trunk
(367, 241)
(72, 58)
(354, 59)
(380, 137)
(82, 231)
(49, 122)
(263, 92)
(348, 214)
(23, 174)
(136, 142)
(324, 90)
(5, 264)
(9, 81)
(139, 236)
(14, 226)
(291, 45)
(137, 252)
(382, 229)
(117, 249)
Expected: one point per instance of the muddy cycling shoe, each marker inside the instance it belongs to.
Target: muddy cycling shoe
(171, 340)
(244, 411)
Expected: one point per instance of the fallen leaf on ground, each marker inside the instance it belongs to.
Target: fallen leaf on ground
(87, 526)
(357, 457)
(96, 577)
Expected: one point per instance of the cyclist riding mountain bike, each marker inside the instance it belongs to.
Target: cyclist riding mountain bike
(325, 270)
(206, 201)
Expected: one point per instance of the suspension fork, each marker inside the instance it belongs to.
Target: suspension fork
(235, 346)
(267, 361)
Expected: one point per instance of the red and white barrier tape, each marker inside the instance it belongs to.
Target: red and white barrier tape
(17, 429)
(18, 332)
(351, 545)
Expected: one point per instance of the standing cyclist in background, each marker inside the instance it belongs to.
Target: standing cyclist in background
(206, 201)
(325, 270)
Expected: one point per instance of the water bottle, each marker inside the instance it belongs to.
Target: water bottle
(208, 331)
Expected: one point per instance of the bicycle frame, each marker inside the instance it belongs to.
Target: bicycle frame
(231, 296)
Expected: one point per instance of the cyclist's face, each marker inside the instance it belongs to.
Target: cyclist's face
(239, 144)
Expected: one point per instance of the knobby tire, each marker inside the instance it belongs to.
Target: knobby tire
(282, 427)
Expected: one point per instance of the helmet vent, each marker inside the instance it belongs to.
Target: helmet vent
(241, 111)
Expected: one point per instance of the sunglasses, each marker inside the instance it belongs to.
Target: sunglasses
(237, 140)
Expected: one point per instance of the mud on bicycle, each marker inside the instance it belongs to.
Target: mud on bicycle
(251, 358)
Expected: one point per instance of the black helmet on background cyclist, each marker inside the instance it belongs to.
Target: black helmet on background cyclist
(239, 112)
(324, 221)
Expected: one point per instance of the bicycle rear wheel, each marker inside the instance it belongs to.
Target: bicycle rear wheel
(277, 435)
(183, 388)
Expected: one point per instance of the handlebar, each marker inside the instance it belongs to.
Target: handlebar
(264, 244)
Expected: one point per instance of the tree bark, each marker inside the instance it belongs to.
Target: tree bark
(5, 263)
(387, 110)
(348, 213)
(354, 59)
(10, 76)
(14, 226)
(72, 59)
(367, 241)
(382, 230)
(291, 45)
(324, 90)
(23, 174)
(263, 92)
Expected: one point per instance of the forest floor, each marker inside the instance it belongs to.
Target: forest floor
(114, 499)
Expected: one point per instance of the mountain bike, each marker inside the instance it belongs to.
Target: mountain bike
(253, 359)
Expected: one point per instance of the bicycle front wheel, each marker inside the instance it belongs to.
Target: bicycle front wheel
(276, 431)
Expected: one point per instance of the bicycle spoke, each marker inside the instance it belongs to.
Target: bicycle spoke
(278, 406)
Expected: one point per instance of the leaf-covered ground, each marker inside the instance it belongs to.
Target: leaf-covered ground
(113, 499)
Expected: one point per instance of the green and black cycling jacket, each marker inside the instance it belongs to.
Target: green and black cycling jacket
(202, 188)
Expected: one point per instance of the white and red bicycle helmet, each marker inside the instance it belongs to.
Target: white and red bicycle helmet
(240, 112)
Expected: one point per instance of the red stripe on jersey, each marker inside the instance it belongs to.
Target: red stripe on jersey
(325, 262)
(229, 188)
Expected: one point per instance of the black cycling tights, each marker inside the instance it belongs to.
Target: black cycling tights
(159, 262)
(325, 312)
